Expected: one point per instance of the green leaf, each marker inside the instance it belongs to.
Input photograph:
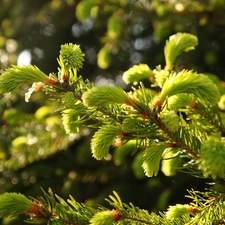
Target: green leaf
(136, 166)
(101, 96)
(137, 73)
(151, 159)
(15, 76)
(190, 82)
(12, 204)
(114, 26)
(20, 142)
(43, 112)
(104, 58)
(102, 140)
(177, 44)
(9, 116)
(120, 154)
(170, 162)
(83, 9)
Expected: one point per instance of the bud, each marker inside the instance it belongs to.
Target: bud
(34, 88)
(160, 77)
(171, 120)
(117, 142)
(69, 101)
(105, 95)
(151, 159)
(105, 217)
(12, 204)
(178, 211)
(16, 76)
(180, 100)
(69, 120)
(102, 218)
(212, 158)
(71, 57)
(177, 44)
(188, 81)
(102, 140)
(137, 73)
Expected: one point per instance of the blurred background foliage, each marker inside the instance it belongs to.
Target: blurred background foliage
(35, 151)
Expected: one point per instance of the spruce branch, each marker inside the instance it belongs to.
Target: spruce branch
(101, 96)
(177, 44)
(206, 207)
(190, 82)
(179, 138)
(160, 76)
(151, 159)
(105, 217)
(137, 73)
(103, 139)
(71, 121)
(59, 211)
(171, 161)
(181, 100)
(182, 119)
(137, 220)
(179, 210)
(15, 76)
(211, 115)
(12, 204)
(212, 158)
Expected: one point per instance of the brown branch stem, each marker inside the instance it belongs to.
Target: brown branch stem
(137, 220)
(176, 139)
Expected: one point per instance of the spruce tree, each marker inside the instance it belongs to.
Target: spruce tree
(174, 116)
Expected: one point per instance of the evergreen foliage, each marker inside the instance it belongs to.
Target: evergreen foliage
(12, 79)
(182, 122)
(177, 44)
